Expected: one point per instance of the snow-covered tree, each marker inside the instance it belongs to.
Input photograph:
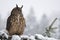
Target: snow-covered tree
(0, 22)
(30, 22)
(43, 24)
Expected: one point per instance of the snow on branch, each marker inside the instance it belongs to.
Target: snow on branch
(25, 37)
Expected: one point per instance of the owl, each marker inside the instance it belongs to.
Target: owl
(16, 22)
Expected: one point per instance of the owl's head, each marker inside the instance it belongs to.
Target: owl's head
(17, 10)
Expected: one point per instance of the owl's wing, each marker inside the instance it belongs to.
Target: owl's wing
(8, 25)
(22, 20)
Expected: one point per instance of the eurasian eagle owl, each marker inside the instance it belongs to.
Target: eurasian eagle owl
(16, 21)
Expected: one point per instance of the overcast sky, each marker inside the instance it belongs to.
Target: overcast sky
(40, 7)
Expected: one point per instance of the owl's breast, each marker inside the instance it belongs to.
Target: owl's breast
(14, 21)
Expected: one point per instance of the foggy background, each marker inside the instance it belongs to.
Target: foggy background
(38, 14)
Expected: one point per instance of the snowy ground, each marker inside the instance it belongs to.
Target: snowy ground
(25, 37)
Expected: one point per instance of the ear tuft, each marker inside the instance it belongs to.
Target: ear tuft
(16, 6)
(21, 6)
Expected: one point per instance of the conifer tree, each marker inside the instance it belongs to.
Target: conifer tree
(50, 29)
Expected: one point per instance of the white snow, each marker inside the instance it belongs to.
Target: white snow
(28, 37)
(1, 32)
(50, 38)
(24, 36)
(15, 37)
(32, 37)
(4, 33)
(41, 37)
